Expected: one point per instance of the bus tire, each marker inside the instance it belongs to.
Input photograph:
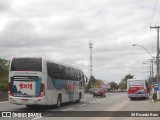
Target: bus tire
(79, 98)
(31, 106)
(59, 100)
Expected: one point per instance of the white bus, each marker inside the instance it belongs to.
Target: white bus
(137, 88)
(37, 81)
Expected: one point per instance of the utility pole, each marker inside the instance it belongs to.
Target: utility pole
(150, 71)
(157, 27)
(90, 46)
(151, 60)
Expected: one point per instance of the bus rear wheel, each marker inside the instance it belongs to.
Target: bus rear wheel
(59, 100)
(31, 106)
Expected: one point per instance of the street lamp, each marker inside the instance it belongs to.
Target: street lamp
(156, 61)
(145, 50)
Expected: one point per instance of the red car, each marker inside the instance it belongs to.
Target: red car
(99, 92)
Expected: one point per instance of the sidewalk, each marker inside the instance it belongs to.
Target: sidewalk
(154, 105)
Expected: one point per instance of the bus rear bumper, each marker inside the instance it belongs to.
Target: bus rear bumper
(27, 101)
(136, 95)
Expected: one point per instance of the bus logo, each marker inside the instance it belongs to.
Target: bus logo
(69, 87)
(25, 86)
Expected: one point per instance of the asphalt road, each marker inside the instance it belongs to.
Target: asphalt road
(92, 107)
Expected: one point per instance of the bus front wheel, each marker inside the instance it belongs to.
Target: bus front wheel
(79, 98)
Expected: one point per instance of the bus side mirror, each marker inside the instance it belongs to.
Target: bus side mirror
(85, 78)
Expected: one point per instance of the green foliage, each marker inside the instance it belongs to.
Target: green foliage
(3, 86)
(4, 71)
(91, 82)
(4, 66)
(113, 85)
(123, 84)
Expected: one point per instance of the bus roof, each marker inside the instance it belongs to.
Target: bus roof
(67, 65)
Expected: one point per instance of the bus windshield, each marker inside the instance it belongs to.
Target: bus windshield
(26, 64)
(136, 83)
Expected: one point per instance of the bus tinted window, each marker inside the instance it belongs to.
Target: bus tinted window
(57, 71)
(136, 83)
(26, 64)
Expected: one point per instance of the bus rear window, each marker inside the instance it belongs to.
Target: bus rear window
(26, 64)
(136, 83)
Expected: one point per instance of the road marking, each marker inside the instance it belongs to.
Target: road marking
(82, 104)
(98, 100)
(83, 99)
(37, 118)
(67, 109)
(4, 101)
(92, 101)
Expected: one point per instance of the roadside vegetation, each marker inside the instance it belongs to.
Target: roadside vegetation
(122, 86)
(4, 71)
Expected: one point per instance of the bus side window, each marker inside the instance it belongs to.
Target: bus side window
(72, 74)
(75, 74)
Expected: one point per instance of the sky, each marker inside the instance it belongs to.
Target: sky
(61, 30)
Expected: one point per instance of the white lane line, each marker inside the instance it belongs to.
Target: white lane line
(4, 101)
(67, 109)
(98, 100)
(37, 118)
(92, 101)
(82, 104)
(83, 99)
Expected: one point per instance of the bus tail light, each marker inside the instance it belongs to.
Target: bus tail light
(9, 89)
(42, 91)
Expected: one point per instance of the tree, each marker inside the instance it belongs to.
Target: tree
(99, 82)
(91, 82)
(4, 71)
(123, 84)
(113, 85)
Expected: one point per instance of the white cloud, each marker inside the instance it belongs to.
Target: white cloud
(61, 30)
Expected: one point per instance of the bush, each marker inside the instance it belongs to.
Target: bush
(3, 86)
(3, 79)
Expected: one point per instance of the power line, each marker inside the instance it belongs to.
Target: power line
(158, 16)
(153, 48)
(153, 12)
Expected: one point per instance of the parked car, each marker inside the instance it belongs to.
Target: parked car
(99, 92)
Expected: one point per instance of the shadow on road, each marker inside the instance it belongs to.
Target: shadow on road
(140, 99)
(46, 107)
